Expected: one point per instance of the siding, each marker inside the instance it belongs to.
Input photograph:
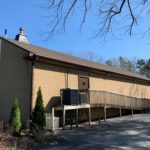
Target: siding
(52, 78)
(120, 87)
(15, 80)
(50, 82)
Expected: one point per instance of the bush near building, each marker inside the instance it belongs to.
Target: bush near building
(38, 116)
(15, 117)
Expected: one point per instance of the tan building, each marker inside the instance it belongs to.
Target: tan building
(25, 67)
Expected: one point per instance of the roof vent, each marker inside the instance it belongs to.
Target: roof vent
(21, 37)
(5, 36)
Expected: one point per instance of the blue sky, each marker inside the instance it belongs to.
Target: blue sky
(28, 14)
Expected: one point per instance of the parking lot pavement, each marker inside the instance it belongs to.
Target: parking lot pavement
(117, 133)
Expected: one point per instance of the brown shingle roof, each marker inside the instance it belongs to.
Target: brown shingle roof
(53, 55)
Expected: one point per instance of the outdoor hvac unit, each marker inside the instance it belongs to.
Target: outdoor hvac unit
(49, 121)
(70, 96)
(83, 98)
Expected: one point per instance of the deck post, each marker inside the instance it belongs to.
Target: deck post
(53, 116)
(120, 112)
(64, 117)
(132, 112)
(105, 113)
(99, 115)
(76, 117)
(89, 115)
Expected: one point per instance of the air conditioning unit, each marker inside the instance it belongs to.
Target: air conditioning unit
(70, 96)
(83, 98)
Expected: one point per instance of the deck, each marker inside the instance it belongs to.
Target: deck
(95, 98)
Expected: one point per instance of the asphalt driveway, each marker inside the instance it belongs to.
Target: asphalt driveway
(117, 133)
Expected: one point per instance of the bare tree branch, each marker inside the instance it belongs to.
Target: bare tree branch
(132, 16)
(108, 12)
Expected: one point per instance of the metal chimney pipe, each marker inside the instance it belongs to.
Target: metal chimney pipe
(5, 33)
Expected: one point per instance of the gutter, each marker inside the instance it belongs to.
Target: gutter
(33, 60)
(107, 74)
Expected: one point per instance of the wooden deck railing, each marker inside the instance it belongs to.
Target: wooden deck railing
(117, 100)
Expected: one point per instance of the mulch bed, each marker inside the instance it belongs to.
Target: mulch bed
(26, 140)
(8, 142)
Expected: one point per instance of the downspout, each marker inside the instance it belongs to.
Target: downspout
(32, 80)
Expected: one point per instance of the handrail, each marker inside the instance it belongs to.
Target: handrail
(108, 98)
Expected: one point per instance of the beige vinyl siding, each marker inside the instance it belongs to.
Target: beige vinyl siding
(72, 81)
(52, 78)
(50, 82)
(120, 87)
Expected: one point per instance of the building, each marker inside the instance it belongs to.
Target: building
(25, 67)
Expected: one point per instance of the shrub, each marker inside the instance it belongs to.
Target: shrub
(15, 117)
(38, 133)
(38, 116)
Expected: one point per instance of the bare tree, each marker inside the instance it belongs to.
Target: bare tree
(89, 55)
(108, 11)
(123, 63)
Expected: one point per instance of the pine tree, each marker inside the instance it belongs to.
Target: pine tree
(15, 117)
(38, 116)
